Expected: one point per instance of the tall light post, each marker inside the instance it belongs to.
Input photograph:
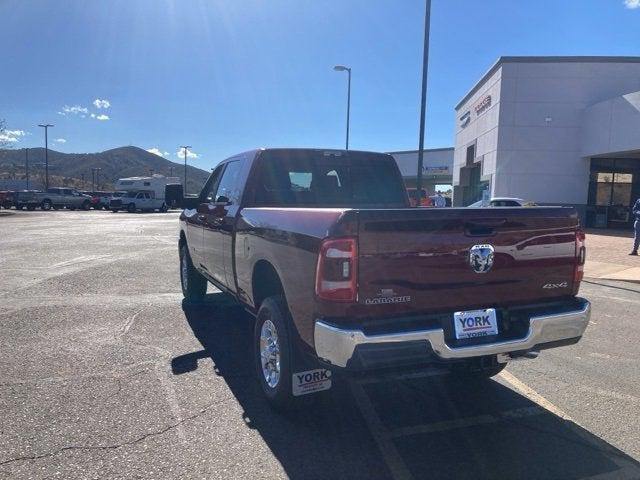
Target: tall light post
(95, 172)
(26, 164)
(342, 68)
(423, 100)
(46, 154)
(185, 148)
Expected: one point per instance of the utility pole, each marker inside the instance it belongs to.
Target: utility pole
(423, 101)
(26, 164)
(185, 148)
(46, 154)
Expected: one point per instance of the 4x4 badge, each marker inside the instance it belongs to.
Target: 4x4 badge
(481, 258)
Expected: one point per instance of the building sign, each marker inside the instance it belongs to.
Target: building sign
(483, 105)
(436, 170)
(465, 118)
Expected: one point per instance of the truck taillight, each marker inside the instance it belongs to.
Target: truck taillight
(581, 253)
(337, 270)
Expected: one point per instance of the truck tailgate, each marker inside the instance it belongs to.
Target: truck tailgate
(412, 260)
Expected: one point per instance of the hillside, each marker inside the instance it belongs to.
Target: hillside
(68, 169)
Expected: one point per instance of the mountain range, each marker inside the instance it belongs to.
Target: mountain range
(75, 169)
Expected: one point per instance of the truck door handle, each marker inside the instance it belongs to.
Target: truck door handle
(483, 228)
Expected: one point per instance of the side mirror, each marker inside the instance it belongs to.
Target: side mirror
(203, 208)
(222, 201)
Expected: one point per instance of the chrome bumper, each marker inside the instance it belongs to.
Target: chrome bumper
(337, 346)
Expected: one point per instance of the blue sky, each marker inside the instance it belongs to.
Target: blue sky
(229, 75)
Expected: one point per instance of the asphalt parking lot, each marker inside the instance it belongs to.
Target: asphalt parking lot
(106, 374)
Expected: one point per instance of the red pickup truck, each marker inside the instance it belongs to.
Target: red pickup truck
(342, 274)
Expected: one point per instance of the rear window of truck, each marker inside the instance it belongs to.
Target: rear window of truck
(316, 178)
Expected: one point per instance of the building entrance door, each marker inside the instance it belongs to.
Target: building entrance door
(614, 185)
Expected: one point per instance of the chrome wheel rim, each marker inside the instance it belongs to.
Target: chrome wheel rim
(270, 353)
(184, 270)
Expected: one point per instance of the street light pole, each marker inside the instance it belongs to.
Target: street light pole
(423, 101)
(26, 164)
(185, 148)
(46, 154)
(342, 68)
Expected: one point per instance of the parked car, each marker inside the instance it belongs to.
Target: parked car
(22, 199)
(321, 247)
(6, 199)
(99, 200)
(59, 197)
(143, 200)
(503, 202)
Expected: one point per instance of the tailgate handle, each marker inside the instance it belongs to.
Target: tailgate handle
(483, 228)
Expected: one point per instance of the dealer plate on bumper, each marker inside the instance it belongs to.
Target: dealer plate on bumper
(475, 323)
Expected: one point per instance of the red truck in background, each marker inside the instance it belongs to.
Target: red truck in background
(323, 248)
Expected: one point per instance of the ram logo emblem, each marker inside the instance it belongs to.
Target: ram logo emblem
(481, 258)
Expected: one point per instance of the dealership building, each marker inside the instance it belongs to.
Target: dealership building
(437, 167)
(553, 130)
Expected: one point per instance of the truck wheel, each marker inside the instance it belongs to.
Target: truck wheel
(114, 210)
(31, 208)
(194, 285)
(72, 208)
(131, 208)
(273, 354)
(46, 205)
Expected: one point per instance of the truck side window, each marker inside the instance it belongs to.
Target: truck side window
(229, 183)
(208, 193)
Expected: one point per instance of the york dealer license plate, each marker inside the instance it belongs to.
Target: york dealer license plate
(475, 323)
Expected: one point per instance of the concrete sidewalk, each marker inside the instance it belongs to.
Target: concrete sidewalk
(607, 256)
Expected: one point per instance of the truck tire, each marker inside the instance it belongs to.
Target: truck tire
(114, 210)
(274, 355)
(131, 208)
(46, 204)
(86, 205)
(31, 208)
(194, 285)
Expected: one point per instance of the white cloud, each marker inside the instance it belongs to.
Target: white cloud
(100, 117)
(101, 103)
(190, 154)
(632, 4)
(11, 136)
(156, 151)
(75, 110)
(60, 140)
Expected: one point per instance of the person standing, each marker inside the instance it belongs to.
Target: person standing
(636, 226)
(439, 200)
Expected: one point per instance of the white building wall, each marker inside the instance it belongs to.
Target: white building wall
(481, 129)
(612, 126)
(539, 151)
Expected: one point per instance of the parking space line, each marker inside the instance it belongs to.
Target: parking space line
(467, 422)
(628, 469)
(534, 396)
(390, 454)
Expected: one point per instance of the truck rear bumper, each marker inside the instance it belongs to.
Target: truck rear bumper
(338, 346)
